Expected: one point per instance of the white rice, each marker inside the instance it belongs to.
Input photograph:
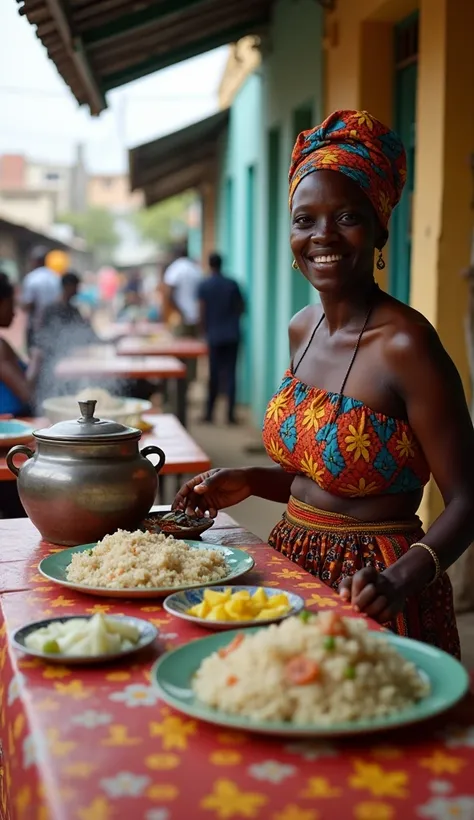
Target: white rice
(105, 400)
(251, 680)
(131, 560)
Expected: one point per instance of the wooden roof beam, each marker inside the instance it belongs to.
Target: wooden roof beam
(135, 20)
(76, 51)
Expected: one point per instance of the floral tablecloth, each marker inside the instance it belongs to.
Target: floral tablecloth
(97, 744)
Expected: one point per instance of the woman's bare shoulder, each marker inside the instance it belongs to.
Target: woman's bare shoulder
(303, 322)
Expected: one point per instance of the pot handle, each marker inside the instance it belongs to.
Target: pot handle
(152, 448)
(20, 448)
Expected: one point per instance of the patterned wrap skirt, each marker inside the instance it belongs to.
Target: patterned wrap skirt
(332, 547)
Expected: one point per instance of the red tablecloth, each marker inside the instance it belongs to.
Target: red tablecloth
(95, 744)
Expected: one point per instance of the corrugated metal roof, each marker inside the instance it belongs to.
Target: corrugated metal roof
(177, 161)
(98, 45)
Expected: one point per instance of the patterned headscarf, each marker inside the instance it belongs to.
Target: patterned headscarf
(356, 144)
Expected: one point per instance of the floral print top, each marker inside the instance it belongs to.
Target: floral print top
(347, 448)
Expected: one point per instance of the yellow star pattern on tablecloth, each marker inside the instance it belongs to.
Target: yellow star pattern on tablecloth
(99, 809)
(163, 791)
(162, 762)
(441, 763)
(227, 800)
(80, 768)
(294, 812)
(372, 810)
(225, 757)
(319, 787)
(74, 689)
(174, 732)
(378, 781)
(118, 736)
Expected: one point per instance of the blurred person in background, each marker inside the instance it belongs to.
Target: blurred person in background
(62, 328)
(41, 287)
(180, 294)
(180, 291)
(108, 283)
(221, 305)
(17, 378)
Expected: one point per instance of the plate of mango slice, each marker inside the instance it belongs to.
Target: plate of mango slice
(233, 606)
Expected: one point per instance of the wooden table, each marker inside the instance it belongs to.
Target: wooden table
(183, 454)
(182, 348)
(101, 363)
(117, 329)
(98, 744)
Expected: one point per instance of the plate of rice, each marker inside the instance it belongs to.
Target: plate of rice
(143, 565)
(310, 676)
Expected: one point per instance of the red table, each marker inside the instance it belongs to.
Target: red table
(182, 348)
(95, 744)
(101, 362)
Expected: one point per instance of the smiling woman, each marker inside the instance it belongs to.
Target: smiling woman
(370, 406)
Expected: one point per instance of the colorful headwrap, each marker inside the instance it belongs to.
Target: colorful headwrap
(356, 144)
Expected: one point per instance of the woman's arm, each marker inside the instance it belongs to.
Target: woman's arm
(11, 373)
(431, 388)
(223, 487)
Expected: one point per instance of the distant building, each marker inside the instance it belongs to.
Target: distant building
(112, 191)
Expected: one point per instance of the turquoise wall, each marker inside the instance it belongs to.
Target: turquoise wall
(237, 211)
(270, 106)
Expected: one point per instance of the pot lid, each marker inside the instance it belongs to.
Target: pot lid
(87, 427)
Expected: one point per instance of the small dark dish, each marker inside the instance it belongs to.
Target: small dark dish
(176, 523)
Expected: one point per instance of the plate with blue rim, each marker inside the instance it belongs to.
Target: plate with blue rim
(13, 431)
(54, 567)
(180, 602)
(148, 634)
(173, 673)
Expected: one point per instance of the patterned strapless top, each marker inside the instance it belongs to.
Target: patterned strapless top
(346, 448)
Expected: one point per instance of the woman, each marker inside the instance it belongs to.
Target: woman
(16, 378)
(371, 405)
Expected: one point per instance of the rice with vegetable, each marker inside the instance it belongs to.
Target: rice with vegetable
(320, 669)
(145, 560)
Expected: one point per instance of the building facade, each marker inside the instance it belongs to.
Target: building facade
(282, 97)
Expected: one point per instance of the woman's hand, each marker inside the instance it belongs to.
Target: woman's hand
(373, 594)
(212, 491)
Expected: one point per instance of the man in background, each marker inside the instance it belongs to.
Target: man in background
(62, 328)
(180, 290)
(41, 287)
(221, 306)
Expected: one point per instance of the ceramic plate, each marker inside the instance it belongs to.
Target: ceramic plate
(173, 672)
(14, 432)
(54, 568)
(177, 532)
(178, 604)
(148, 633)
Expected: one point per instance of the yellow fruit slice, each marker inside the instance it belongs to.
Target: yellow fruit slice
(278, 600)
(212, 597)
(200, 610)
(259, 598)
(274, 612)
(218, 613)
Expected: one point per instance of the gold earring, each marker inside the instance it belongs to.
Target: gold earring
(294, 265)
(380, 261)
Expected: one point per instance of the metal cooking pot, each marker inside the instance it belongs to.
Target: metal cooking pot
(86, 479)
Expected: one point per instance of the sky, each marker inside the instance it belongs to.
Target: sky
(41, 119)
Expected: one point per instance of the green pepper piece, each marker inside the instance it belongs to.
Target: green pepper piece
(305, 616)
(51, 647)
(350, 673)
(329, 643)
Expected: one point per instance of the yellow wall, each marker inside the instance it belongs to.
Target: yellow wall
(359, 74)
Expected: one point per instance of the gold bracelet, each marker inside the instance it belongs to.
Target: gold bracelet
(434, 557)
